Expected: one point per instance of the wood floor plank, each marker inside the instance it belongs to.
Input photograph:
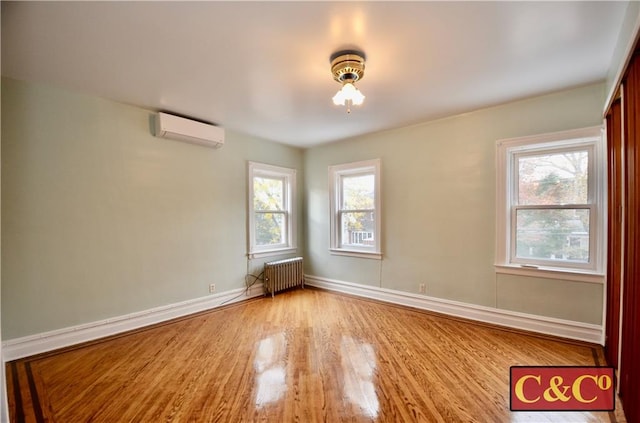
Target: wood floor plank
(303, 356)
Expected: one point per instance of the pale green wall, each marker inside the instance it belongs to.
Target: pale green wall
(101, 219)
(579, 301)
(438, 205)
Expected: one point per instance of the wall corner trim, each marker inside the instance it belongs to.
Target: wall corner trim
(14, 349)
(541, 324)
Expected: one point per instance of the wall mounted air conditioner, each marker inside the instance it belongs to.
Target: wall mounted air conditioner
(187, 130)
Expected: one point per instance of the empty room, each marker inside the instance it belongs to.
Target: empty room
(320, 211)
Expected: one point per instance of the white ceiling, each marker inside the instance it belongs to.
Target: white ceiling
(263, 67)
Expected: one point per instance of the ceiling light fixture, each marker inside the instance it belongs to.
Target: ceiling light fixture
(347, 67)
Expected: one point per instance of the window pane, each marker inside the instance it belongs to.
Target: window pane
(270, 228)
(357, 229)
(547, 179)
(268, 193)
(553, 234)
(358, 192)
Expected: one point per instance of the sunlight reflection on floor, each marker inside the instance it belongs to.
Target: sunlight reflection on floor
(358, 365)
(269, 365)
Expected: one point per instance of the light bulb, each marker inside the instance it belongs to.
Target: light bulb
(357, 97)
(348, 93)
(348, 89)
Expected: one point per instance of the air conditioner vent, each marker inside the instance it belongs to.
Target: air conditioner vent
(187, 130)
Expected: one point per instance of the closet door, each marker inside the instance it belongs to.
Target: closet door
(630, 346)
(615, 228)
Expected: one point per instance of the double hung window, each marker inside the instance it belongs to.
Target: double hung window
(355, 209)
(271, 209)
(550, 201)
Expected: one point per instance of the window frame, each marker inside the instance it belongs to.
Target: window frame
(288, 176)
(509, 151)
(336, 175)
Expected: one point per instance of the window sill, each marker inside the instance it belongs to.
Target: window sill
(269, 253)
(356, 253)
(551, 273)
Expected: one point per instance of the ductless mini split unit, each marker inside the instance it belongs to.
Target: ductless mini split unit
(187, 130)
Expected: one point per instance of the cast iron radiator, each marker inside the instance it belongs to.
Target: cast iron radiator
(283, 274)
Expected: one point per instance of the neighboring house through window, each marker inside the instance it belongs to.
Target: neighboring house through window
(550, 202)
(355, 209)
(271, 209)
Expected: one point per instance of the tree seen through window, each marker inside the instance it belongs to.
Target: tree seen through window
(545, 230)
(270, 215)
(357, 209)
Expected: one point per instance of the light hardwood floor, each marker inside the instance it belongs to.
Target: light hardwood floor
(304, 356)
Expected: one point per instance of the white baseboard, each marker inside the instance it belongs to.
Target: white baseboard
(48, 341)
(35, 344)
(511, 319)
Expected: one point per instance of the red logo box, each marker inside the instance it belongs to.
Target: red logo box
(561, 388)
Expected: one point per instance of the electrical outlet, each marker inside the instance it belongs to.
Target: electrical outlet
(212, 288)
(423, 288)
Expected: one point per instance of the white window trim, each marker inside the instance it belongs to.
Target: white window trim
(506, 150)
(289, 177)
(335, 174)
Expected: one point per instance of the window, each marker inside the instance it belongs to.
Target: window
(355, 209)
(550, 201)
(271, 209)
